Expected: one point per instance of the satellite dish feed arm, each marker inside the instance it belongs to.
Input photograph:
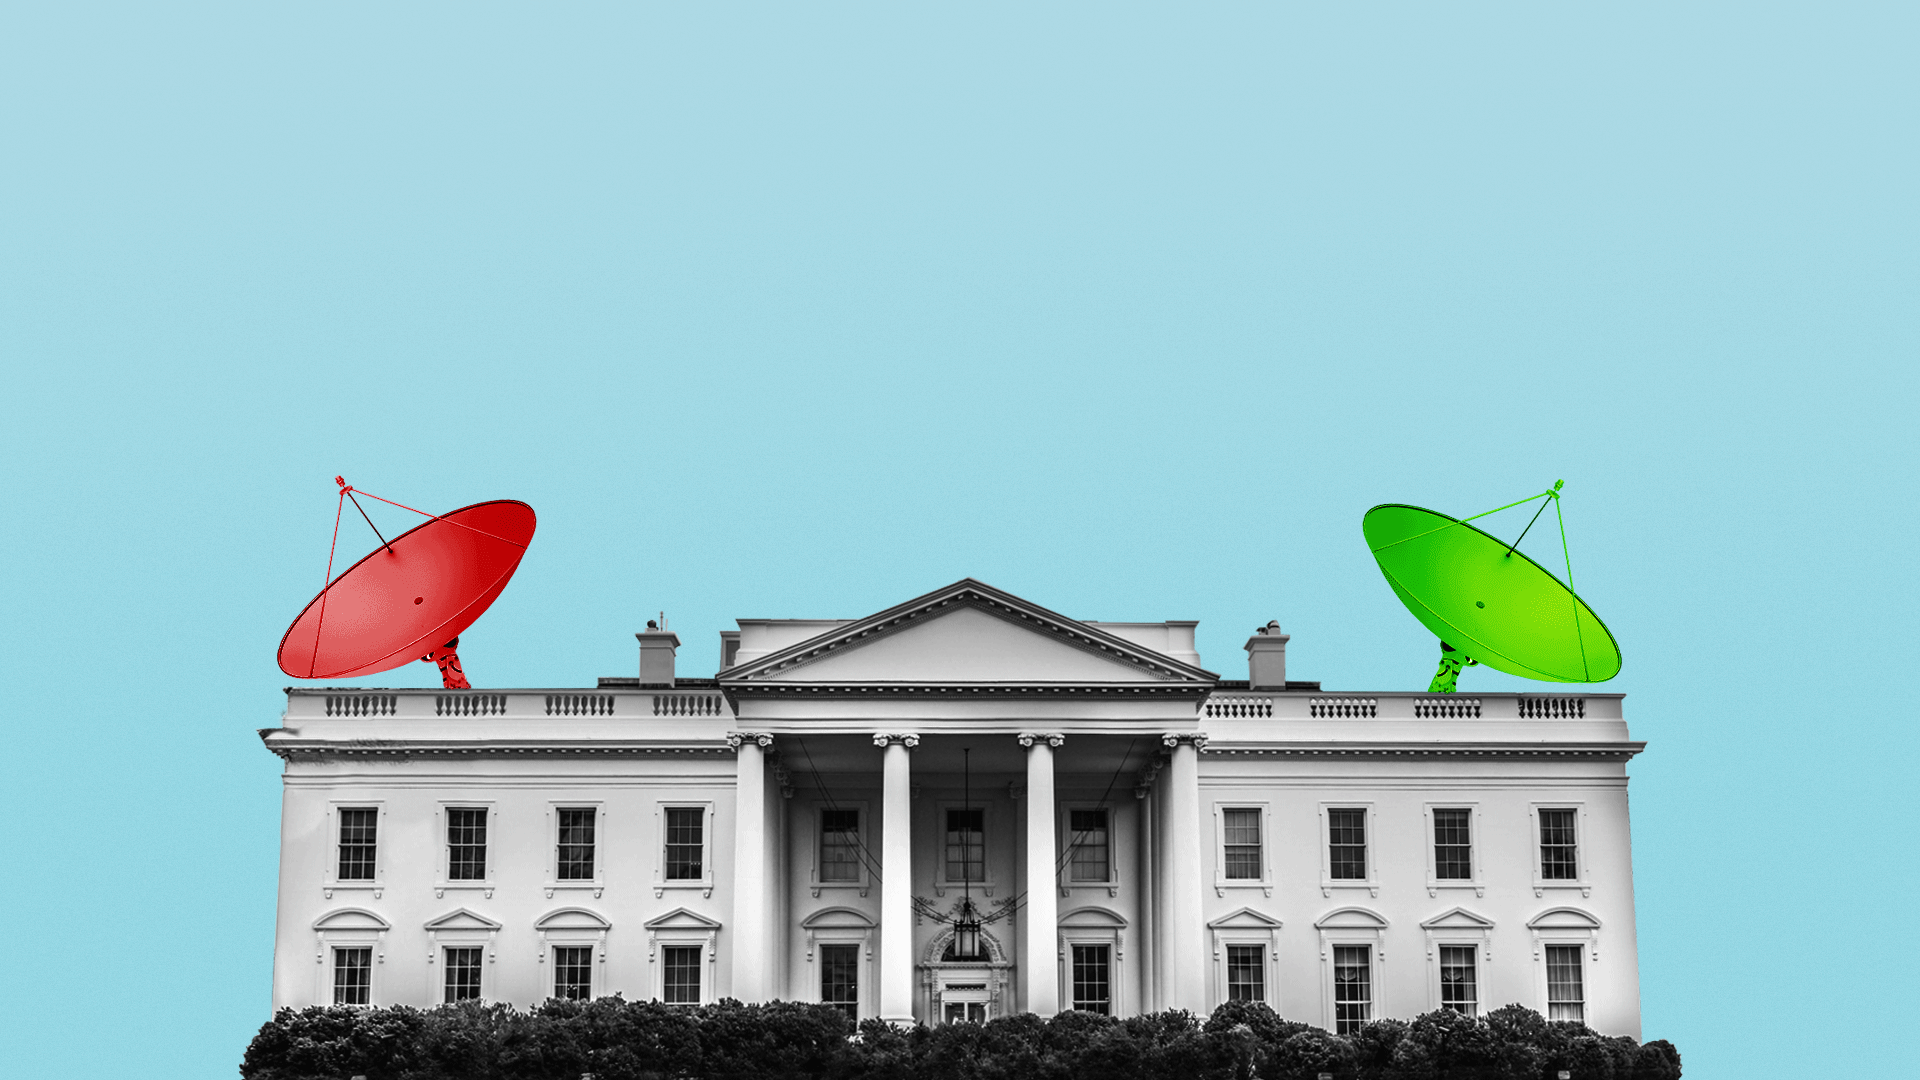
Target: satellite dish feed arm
(451, 675)
(1452, 661)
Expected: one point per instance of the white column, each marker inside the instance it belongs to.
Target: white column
(1041, 925)
(752, 955)
(1181, 915)
(896, 880)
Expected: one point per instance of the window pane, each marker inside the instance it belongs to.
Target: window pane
(1459, 981)
(840, 845)
(357, 828)
(1452, 844)
(840, 978)
(1558, 855)
(1246, 973)
(686, 843)
(353, 976)
(1242, 829)
(1347, 838)
(1566, 994)
(573, 972)
(1088, 836)
(1352, 988)
(682, 974)
(966, 845)
(466, 844)
(1092, 979)
(462, 977)
(576, 844)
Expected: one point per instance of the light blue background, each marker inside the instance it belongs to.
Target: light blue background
(795, 310)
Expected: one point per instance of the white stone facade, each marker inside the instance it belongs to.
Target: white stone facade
(786, 830)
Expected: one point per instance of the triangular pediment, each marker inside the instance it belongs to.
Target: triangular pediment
(681, 919)
(966, 634)
(462, 919)
(1245, 919)
(1458, 919)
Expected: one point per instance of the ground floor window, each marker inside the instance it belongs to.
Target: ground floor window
(573, 972)
(681, 976)
(353, 976)
(1459, 981)
(1352, 988)
(1093, 978)
(1566, 989)
(840, 978)
(462, 975)
(1246, 974)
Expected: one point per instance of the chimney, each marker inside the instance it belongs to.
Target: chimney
(1267, 658)
(656, 655)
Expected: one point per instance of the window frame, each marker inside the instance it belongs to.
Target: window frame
(350, 928)
(446, 968)
(1105, 950)
(1371, 823)
(1453, 928)
(858, 949)
(1092, 925)
(334, 949)
(595, 884)
(1348, 926)
(1243, 927)
(842, 926)
(1476, 824)
(1221, 882)
(331, 882)
(708, 820)
(1585, 960)
(989, 820)
(553, 973)
(1581, 852)
(682, 927)
(1479, 974)
(1573, 926)
(1373, 984)
(1111, 883)
(444, 882)
(863, 881)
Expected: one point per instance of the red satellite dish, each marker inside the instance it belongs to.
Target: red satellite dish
(410, 599)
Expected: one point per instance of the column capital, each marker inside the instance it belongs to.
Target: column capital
(1053, 738)
(1173, 739)
(906, 739)
(735, 739)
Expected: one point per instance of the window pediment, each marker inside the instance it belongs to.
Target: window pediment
(351, 919)
(681, 919)
(572, 918)
(462, 919)
(1092, 918)
(1351, 918)
(1563, 918)
(1245, 919)
(1458, 919)
(835, 918)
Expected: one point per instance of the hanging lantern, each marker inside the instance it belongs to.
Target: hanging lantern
(966, 933)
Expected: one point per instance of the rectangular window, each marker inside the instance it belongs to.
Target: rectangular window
(466, 843)
(1459, 980)
(1089, 845)
(1453, 844)
(358, 826)
(681, 974)
(576, 844)
(573, 972)
(1347, 845)
(1243, 844)
(967, 844)
(353, 976)
(1092, 979)
(1566, 992)
(686, 843)
(1352, 988)
(840, 978)
(839, 845)
(1559, 849)
(1246, 973)
(462, 975)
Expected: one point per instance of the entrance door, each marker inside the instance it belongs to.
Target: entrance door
(964, 1003)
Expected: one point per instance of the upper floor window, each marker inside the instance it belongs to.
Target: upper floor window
(1242, 828)
(1090, 845)
(461, 980)
(966, 844)
(1459, 979)
(1566, 990)
(576, 843)
(466, 843)
(573, 972)
(686, 843)
(839, 845)
(681, 974)
(1453, 844)
(353, 975)
(1559, 845)
(358, 828)
(1347, 844)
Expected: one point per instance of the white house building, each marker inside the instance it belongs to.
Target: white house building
(1132, 832)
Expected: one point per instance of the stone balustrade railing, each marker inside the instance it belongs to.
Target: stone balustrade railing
(338, 703)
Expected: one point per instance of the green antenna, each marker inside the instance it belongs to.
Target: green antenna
(1485, 600)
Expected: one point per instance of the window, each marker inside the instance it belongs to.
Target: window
(1559, 847)
(1243, 844)
(1453, 844)
(462, 975)
(353, 975)
(1089, 846)
(1459, 980)
(839, 845)
(681, 974)
(573, 972)
(966, 844)
(1347, 845)
(575, 844)
(686, 847)
(358, 826)
(1093, 979)
(1352, 988)
(1566, 992)
(1246, 973)
(840, 978)
(466, 844)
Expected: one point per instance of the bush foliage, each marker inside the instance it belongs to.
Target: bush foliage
(615, 1039)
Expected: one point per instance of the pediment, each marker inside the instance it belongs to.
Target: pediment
(462, 919)
(572, 918)
(1351, 918)
(1563, 918)
(681, 919)
(1092, 917)
(966, 634)
(838, 918)
(1458, 919)
(1245, 919)
(350, 919)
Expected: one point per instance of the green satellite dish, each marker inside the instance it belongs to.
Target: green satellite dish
(1487, 602)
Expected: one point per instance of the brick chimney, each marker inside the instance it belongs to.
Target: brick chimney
(657, 647)
(1267, 658)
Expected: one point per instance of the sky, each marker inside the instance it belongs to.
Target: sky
(802, 311)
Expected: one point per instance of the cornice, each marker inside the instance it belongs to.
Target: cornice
(299, 749)
(1608, 751)
(1174, 691)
